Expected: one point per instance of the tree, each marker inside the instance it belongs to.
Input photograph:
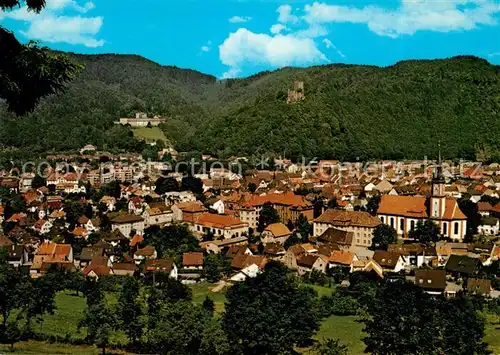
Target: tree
(372, 205)
(39, 299)
(470, 209)
(333, 203)
(12, 334)
(112, 189)
(12, 287)
(252, 187)
(100, 321)
(383, 235)
(179, 329)
(28, 72)
(75, 281)
(216, 266)
(12, 202)
(267, 216)
(304, 227)
(190, 183)
(330, 346)
(425, 232)
(403, 319)
(214, 340)
(164, 185)
(37, 182)
(172, 240)
(272, 300)
(208, 305)
(130, 309)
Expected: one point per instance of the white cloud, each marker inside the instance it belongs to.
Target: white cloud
(61, 4)
(72, 30)
(206, 47)
(240, 19)
(52, 26)
(285, 14)
(231, 73)
(277, 28)
(410, 17)
(495, 54)
(245, 47)
(329, 44)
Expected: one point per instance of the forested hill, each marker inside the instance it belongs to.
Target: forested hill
(349, 111)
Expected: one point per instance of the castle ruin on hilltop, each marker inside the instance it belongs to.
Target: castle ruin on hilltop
(297, 94)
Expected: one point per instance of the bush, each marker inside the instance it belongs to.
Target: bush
(338, 304)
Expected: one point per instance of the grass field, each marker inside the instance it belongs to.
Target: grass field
(345, 328)
(70, 309)
(149, 134)
(42, 348)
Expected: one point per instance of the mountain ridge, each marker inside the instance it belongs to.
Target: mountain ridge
(349, 112)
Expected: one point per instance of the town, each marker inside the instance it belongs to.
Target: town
(431, 223)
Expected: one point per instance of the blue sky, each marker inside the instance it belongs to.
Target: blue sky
(241, 37)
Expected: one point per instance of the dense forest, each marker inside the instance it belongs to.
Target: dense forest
(349, 112)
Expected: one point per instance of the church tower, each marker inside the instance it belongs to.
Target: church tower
(438, 197)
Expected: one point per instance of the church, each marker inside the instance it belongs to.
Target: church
(403, 212)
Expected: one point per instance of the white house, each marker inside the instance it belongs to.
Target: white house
(389, 261)
(221, 226)
(218, 206)
(250, 271)
(128, 223)
(489, 226)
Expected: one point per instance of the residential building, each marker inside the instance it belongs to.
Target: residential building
(148, 252)
(275, 233)
(192, 261)
(489, 226)
(162, 265)
(431, 281)
(288, 205)
(462, 265)
(308, 262)
(128, 223)
(362, 224)
(342, 239)
(389, 261)
(221, 226)
(157, 215)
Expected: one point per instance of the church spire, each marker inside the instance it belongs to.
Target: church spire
(438, 169)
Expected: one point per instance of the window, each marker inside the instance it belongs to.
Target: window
(412, 225)
(402, 224)
(455, 230)
(445, 228)
(382, 219)
(392, 222)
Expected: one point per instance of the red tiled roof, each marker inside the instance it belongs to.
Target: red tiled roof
(192, 259)
(349, 218)
(408, 206)
(220, 221)
(287, 199)
(62, 249)
(278, 230)
(452, 211)
(136, 239)
(341, 257)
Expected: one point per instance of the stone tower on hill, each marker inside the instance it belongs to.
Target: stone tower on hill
(297, 94)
